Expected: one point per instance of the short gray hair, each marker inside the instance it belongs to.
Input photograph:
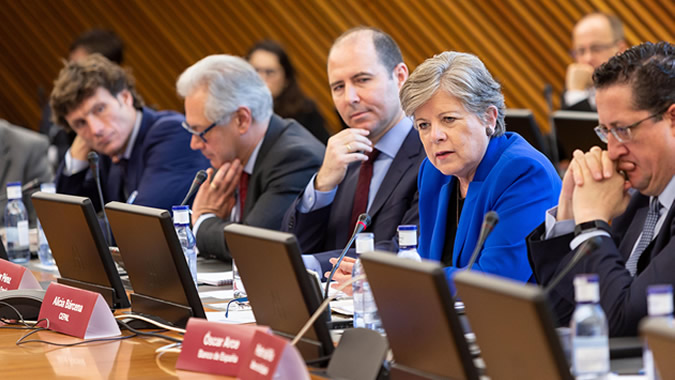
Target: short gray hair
(232, 83)
(461, 75)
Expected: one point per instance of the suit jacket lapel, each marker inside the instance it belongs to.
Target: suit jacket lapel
(399, 166)
(635, 227)
(135, 165)
(661, 240)
(274, 130)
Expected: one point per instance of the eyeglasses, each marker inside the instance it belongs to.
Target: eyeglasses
(622, 134)
(201, 134)
(593, 49)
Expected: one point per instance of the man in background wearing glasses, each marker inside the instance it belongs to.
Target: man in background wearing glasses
(145, 158)
(595, 38)
(262, 160)
(623, 197)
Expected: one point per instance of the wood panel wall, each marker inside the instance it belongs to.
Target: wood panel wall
(524, 43)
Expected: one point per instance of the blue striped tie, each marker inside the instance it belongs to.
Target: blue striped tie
(647, 235)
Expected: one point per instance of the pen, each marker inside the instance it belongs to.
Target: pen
(132, 197)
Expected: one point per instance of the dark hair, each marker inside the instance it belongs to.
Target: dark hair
(105, 42)
(650, 71)
(386, 48)
(77, 81)
(291, 101)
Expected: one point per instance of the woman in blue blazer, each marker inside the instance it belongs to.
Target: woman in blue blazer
(472, 167)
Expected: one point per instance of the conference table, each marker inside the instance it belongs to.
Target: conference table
(132, 358)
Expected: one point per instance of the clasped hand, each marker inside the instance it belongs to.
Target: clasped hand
(592, 188)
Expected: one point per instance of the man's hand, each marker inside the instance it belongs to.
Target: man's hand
(79, 149)
(216, 194)
(579, 77)
(343, 273)
(343, 148)
(600, 191)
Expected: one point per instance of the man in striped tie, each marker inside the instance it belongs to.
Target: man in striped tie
(623, 196)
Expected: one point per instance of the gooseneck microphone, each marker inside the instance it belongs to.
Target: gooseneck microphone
(200, 177)
(361, 224)
(553, 135)
(92, 157)
(489, 221)
(587, 247)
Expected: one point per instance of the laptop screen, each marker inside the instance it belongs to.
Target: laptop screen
(513, 327)
(78, 246)
(153, 257)
(417, 312)
(281, 292)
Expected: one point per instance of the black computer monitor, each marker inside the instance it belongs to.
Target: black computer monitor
(3, 252)
(574, 130)
(282, 293)
(418, 314)
(513, 326)
(522, 122)
(155, 262)
(78, 246)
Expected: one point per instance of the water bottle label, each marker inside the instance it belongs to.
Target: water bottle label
(407, 238)
(13, 192)
(22, 230)
(590, 354)
(660, 304)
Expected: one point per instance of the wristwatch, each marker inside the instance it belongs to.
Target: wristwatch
(593, 225)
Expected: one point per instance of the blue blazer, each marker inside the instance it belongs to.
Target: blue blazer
(513, 179)
(161, 167)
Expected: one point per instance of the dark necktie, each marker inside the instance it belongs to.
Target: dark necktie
(362, 188)
(243, 189)
(122, 170)
(647, 235)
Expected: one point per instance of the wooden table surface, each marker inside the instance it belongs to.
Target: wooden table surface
(133, 358)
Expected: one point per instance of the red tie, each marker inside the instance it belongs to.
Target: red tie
(362, 188)
(243, 188)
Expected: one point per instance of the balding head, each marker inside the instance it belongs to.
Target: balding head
(596, 38)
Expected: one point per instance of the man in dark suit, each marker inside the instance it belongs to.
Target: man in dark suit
(145, 156)
(595, 38)
(262, 160)
(635, 94)
(23, 157)
(365, 73)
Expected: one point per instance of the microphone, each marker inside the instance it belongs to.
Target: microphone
(92, 157)
(361, 224)
(587, 247)
(200, 177)
(489, 222)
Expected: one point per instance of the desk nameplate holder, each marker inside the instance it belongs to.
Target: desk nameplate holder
(14, 276)
(272, 357)
(76, 312)
(215, 347)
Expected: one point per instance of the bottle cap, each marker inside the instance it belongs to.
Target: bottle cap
(586, 288)
(14, 190)
(365, 242)
(407, 235)
(181, 215)
(660, 300)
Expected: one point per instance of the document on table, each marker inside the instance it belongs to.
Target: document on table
(215, 278)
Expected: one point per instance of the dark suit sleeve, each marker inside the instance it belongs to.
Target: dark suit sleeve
(309, 228)
(168, 165)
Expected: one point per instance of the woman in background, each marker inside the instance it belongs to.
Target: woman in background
(272, 63)
(474, 166)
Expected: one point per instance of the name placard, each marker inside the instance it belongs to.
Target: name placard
(14, 276)
(215, 347)
(271, 357)
(77, 312)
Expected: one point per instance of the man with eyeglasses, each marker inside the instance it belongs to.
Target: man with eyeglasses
(595, 38)
(145, 158)
(260, 162)
(622, 197)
